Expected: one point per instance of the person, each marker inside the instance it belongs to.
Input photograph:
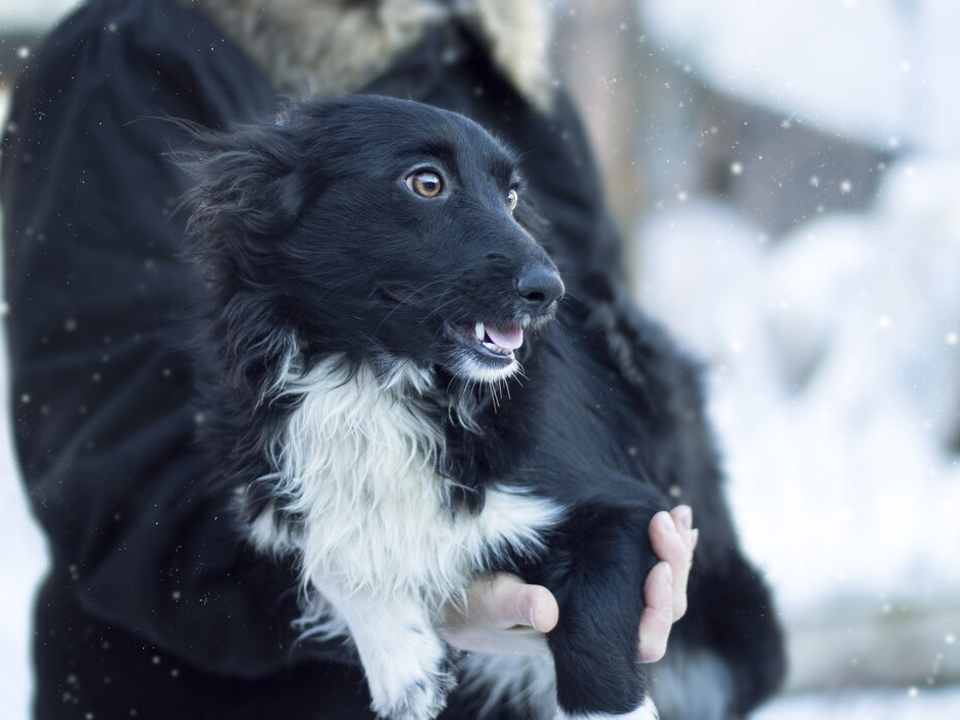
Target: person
(153, 606)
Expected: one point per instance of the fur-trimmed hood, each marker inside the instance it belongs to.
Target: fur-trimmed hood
(333, 47)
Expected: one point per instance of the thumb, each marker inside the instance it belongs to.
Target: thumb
(506, 601)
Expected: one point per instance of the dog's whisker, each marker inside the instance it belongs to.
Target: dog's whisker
(519, 374)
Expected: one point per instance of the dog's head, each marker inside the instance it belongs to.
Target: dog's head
(376, 227)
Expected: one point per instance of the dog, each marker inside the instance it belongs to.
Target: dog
(404, 395)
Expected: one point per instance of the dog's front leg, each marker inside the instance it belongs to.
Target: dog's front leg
(599, 558)
(406, 663)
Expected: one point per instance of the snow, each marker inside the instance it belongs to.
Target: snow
(901, 704)
(833, 364)
(23, 557)
(835, 383)
(33, 14)
(878, 70)
(23, 560)
(833, 349)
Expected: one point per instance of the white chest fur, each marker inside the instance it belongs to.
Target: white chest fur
(358, 462)
(380, 549)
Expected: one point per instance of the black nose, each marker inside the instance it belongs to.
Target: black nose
(540, 287)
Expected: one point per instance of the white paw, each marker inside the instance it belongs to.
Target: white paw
(423, 700)
(404, 660)
(645, 711)
(412, 682)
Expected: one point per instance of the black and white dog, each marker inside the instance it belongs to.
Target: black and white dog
(401, 411)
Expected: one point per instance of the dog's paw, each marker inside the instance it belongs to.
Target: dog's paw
(413, 684)
(646, 711)
(407, 665)
(423, 700)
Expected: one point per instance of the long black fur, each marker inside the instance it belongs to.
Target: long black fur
(308, 234)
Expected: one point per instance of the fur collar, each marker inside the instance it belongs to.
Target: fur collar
(331, 47)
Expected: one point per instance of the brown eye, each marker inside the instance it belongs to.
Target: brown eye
(513, 197)
(425, 183)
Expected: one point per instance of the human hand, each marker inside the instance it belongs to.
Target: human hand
(504, 614)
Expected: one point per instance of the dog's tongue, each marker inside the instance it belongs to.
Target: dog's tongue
(509, 338)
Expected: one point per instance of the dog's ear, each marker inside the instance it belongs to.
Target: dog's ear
(248, 188)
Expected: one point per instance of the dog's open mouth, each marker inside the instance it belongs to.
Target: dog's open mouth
(492, 344)
(499, 340)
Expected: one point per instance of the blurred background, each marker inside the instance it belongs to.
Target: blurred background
(787, 178)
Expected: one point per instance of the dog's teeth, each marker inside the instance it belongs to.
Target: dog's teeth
(480, 331)
(493, 347)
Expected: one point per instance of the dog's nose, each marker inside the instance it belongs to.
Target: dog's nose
(540, 287)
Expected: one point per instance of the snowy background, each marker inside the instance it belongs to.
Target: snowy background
(801, 234)
(790, 173)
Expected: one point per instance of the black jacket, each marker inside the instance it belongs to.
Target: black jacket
(154, 607)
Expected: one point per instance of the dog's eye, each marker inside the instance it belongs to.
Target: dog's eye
(513, 197)
(425, 183)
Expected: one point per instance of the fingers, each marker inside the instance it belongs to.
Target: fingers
(665, 591)
(683, 519)
(673, 539)
(657, 617)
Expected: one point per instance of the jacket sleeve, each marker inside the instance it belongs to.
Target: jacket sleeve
(96, 290)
